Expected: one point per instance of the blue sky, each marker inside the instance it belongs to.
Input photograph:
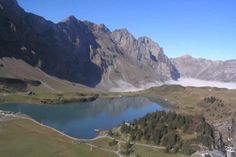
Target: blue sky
(201, 28)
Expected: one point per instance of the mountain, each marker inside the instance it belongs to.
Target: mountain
(80, 51)
(203, 69)
(43, 44)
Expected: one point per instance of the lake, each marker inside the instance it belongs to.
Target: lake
(80, 119)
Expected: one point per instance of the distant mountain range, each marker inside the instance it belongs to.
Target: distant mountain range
(224, 71)
(89, 54)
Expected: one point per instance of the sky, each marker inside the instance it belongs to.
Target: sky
(200, 28)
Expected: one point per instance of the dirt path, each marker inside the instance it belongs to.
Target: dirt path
(118, 152)
(49, 87)
(92, 146)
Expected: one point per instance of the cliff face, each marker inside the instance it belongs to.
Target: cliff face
(144, 52)
(81, 51)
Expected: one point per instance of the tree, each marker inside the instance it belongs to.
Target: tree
(137, 155)
(113, 142)
(128, 148)
(110, 133)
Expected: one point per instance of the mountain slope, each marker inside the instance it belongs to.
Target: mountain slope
(144, 52)
(224, 71)
(90, 54)
(81, 51)
(18, 69)
(43, 44)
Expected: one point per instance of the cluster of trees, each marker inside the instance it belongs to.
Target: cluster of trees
(127, 148)
(166, 129)
(205, 134)
(212, 100)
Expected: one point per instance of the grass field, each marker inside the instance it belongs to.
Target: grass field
(104, 143)
(24, 138)
(152, 152)
(187, 99)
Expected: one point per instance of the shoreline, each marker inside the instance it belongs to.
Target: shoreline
(61, 133)
(39, 101)
(11, 116)
(63, 100)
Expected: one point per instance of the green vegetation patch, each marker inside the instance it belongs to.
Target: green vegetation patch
(141, 151)
(178, 133)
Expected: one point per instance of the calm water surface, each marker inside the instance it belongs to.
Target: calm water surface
(80, 119)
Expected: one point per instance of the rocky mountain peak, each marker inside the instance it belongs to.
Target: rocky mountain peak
(186, 56)
(103, 27)
(122, 31)
(97, 27)
(149, 49)
(145, 39)
(70, 19)
(148, 42)
(12, 6)
(124, 39)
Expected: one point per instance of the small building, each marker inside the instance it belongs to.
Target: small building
(127, 124)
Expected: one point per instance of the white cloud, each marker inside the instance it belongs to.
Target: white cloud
(202, 83)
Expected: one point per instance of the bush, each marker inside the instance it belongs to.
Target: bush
(137, 155)
(110, 133)
(113, 142)
(127, 148)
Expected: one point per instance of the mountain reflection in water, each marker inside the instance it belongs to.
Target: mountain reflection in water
(80, 119)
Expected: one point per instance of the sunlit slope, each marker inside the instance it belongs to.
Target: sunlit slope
(16, 68)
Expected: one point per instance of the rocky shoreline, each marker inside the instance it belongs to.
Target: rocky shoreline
(9, 115)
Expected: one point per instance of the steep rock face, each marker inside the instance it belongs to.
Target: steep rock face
(204, 69)
(81, 51)
(143, 52)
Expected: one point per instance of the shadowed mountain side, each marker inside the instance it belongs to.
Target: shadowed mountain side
(18, 69)
(43, 44)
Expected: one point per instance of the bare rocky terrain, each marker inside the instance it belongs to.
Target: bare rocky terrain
(75, 53)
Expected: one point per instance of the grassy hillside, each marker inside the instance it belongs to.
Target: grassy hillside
(25, 138)
(22, 137)
(190, 100)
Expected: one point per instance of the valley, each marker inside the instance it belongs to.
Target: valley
(77, 88)
(183, 100)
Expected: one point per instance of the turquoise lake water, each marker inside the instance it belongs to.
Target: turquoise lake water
(80, 119)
